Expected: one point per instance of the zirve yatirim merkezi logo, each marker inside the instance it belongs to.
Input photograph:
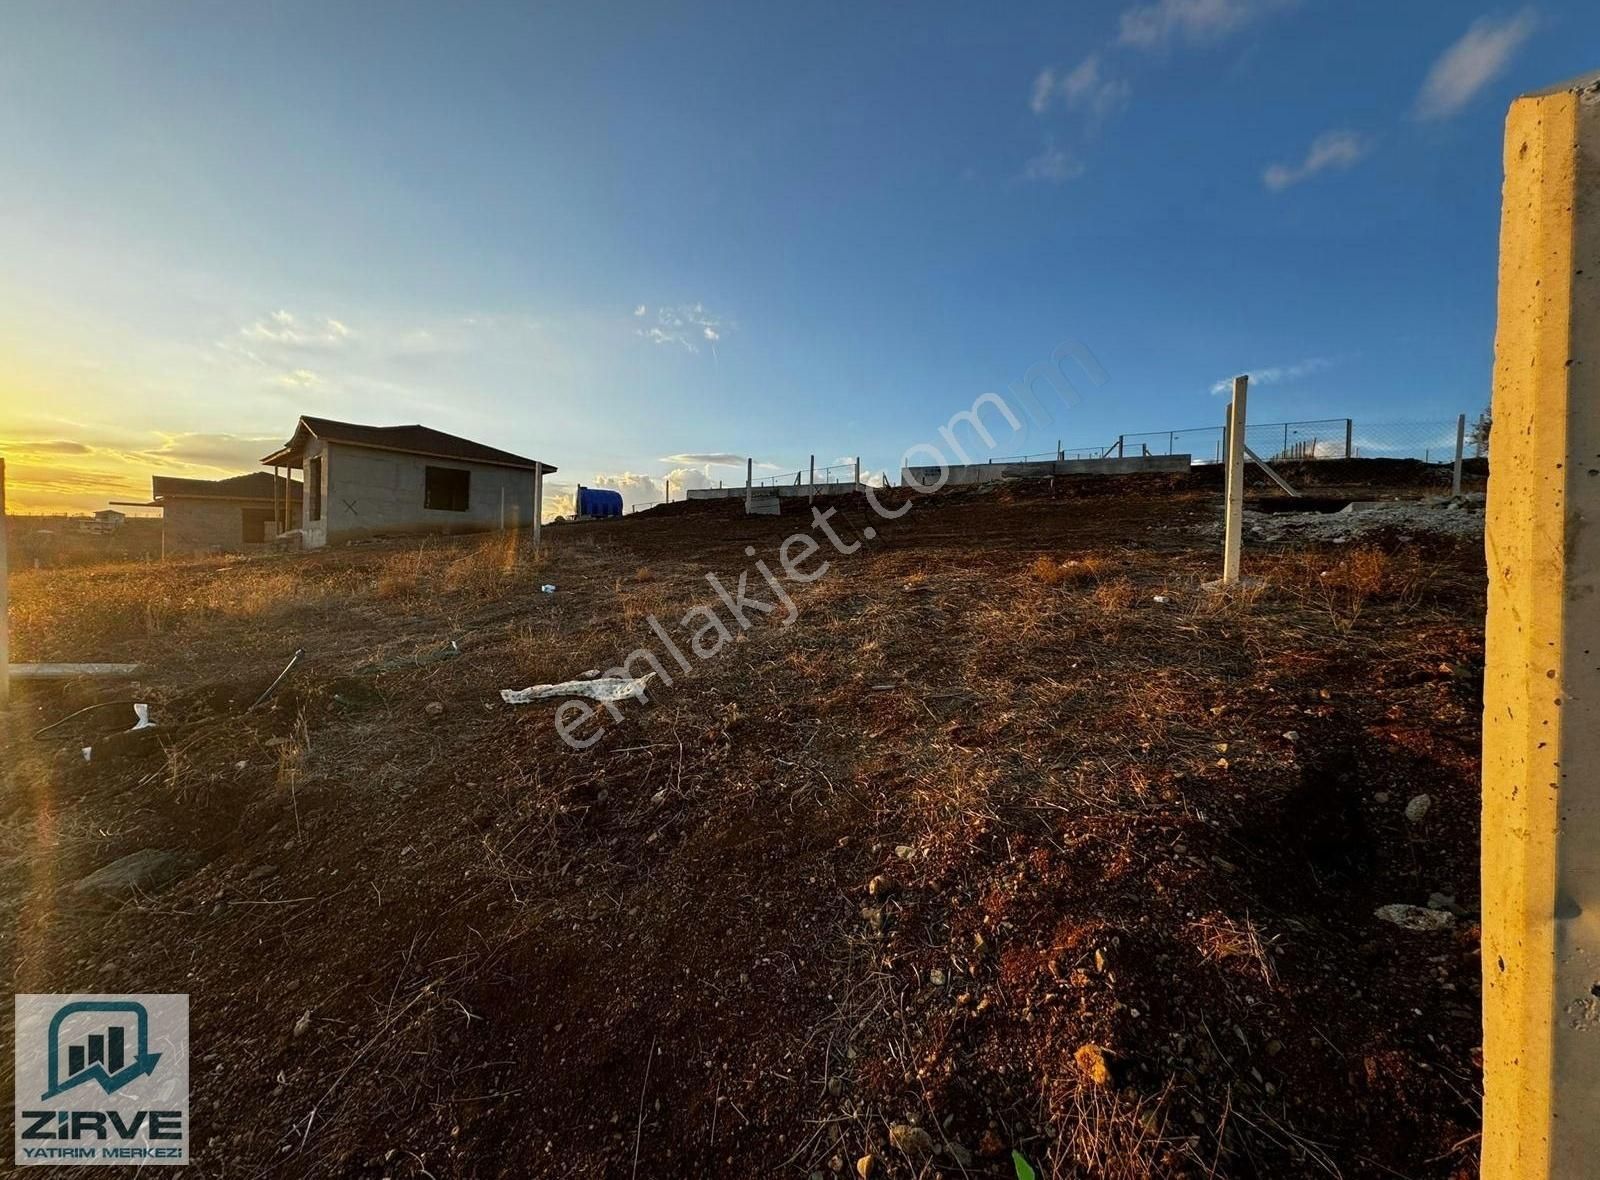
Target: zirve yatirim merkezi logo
(102, 1079)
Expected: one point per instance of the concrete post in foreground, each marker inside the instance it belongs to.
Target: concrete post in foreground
(1233, 456)
(1541, 710)
(749, 495)
(538, 500)
(1461, 449)
(5, 592)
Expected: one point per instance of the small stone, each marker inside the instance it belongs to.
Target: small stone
(835, 1086)
(1380, 796)
(1291, 735)
(880, 886)
(138, 872)
(303, 1025)
(1092, 1061)
(261, 871)
(1418, 807)
(911, 1139)
(1415, 917)
(936, 977)
(434, 709)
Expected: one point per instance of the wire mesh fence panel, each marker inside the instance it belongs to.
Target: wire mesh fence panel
(1432, 441)
(1322, 438)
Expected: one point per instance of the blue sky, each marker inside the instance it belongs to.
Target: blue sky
(613, 236)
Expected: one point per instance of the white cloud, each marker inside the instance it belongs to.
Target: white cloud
(285, 328)
(1154, 26)
(1084, 87)
(685, 325)
(707, 459)
(1053, 165)
(1337, 150)
(1472, 63)
(637, 490)
(1276, 374)
(640, 310)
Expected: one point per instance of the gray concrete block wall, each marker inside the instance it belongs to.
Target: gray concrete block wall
(190, 526)
(971, 473)
(368, 492)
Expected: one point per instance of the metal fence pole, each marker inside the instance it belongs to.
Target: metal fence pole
(538, 501)
(858, 472)
(1461, 447)
(1349, 437)
(811, 491)
(749, 494)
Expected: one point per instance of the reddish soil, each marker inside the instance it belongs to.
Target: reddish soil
(988, 842)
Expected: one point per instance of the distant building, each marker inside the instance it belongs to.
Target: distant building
(363, 481)
(235, 515)
(111, 518)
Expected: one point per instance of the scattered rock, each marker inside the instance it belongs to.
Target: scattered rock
(1290, 735)
(1092, 1061)
(1446, 902)
(261, 871)
(144, 871)
(1416, 917)
(880, 886)
(303, 1025)
(911, 1139)
(434, 708)
(1418, 807)
(936, 977)
(1380, 796)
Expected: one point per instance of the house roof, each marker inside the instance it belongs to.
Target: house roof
(412, 440)
(258, 485)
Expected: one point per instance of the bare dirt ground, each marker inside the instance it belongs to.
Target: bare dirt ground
(989, 850)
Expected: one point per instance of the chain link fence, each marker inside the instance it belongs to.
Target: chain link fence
(1322, 438)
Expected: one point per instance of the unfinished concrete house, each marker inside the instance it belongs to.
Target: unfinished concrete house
(366, 481)
(235, 515)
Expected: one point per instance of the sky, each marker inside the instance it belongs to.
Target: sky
(643, 242)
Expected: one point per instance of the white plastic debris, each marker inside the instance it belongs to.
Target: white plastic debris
(606, 688)
(1162, 599)
(547, 588)
(142, 712)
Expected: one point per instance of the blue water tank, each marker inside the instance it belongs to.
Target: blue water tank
(598, 503)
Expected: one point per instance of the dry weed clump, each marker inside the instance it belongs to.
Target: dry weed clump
(1073, 571)
(1115, 596)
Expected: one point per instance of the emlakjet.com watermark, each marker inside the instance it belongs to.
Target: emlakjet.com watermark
(708, 628)
(102, 1079)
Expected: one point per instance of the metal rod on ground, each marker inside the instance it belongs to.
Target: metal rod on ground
(1233, 522)
(1541, 709)
(281, 677)
(749, 491)
(5, 592)
(1461, 449)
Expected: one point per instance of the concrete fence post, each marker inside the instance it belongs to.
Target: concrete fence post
(811, 491)
(1233, 520)
(749, 491)
(1119, 446)
(858, 471)
(5, 592)
(1461, 450)
(1541, 707)
(1349, 437)
(538, 501)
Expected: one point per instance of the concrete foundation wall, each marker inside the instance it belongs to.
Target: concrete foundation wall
(190, 526)
(370, 492)
(785, 490)
(971, 473)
